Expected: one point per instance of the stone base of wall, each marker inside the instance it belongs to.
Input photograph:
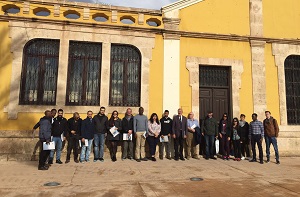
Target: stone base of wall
(19, 145)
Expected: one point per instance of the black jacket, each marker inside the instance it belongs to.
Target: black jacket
(60, 126)
(45, 128)
(227, 128)
(101, 123)
(88, 128)
(245, 132)
(127, 124)
(166, 126)
(75, 126)
(117, 123)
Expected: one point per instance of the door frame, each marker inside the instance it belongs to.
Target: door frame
(237, 68)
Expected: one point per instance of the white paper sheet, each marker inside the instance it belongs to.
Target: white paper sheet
(217, 146)
(164, 139)
(193, 126)
(50, 146)
(145, 134)
(79, 143)
(114, 131)
(86, 142)
(127, 137)
(62, 137)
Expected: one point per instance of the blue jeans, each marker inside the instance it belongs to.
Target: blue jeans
(58, 145)
(99, 140)
(209, 141)
(269, 141)
(86, 151)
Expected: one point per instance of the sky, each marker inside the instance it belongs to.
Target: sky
(149, 4)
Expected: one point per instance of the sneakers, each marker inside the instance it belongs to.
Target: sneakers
(59, 161)
(182, 159)
(101, 159)
(123, 158)
(82, 161)
(243, 158)
(213, 158)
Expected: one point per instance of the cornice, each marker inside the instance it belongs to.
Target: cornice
(179, 5)
(170, 33)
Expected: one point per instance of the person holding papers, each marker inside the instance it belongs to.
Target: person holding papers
(193, 127)
(45, 137)
(153, 134)
(166, 128)
(88, 129)
(127, 126)
(140, 127)
(60, 130)
(115, 127)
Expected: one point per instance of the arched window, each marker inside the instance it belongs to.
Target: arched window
(292, 86)
(84, 73)
(39, 72)
(125, 76)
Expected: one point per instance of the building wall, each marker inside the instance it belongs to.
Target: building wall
(281, 19)
(220, 17)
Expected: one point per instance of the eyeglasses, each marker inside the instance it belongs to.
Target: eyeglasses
(234, 121)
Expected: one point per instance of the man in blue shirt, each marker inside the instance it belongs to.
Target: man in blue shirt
(193, 127)
(256, 135)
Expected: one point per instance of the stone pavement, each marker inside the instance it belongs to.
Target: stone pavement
(162, 178)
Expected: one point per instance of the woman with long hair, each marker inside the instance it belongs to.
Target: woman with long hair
(154, 128)
(116, 123)
(224, 134)
(236, 139)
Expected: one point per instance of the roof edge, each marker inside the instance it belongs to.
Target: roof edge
(178, 5)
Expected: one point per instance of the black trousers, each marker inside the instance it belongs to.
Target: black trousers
(44, 154)
(152, 141)
(237, 148)
(255, 139)
(178, 146)
(113, 148)
(245, 148)
(73, 144)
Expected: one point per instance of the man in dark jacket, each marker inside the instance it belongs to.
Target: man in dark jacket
(88, 130)
(74, 136)
(60, 130)
(209, 130)
(127, 126)
(271, 133)
(45, 136)
(101, 122)
(166, 128)
(179, 132)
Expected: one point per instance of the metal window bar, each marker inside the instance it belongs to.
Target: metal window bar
(292, 85)
(213, 76)
(83, 87)
(125, 76)
(39, 72)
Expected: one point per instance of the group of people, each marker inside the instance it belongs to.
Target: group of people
(134, 131)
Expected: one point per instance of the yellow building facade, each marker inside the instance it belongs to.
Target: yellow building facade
(227, 56)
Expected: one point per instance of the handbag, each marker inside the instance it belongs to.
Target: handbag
(217, 146)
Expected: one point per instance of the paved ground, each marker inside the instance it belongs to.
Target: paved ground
(162, 178)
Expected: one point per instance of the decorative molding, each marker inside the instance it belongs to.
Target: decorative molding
(26, 7)
(114, 16)
(171, 23)
(171, 36)
(237, 68)
(56, 12)
(141, 19)
(86, 13)
(280, 53)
